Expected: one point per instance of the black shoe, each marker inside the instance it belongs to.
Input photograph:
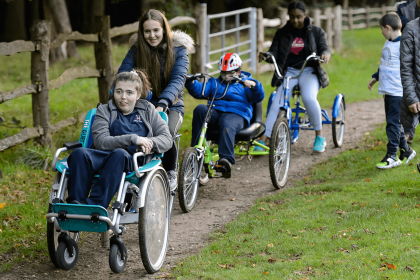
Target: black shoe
(406, 156)
(418, 167)
(224, 166)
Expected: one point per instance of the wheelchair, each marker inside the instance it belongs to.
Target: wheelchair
(199, 163)
(150, 208)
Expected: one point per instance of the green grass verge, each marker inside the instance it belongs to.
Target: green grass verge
(24, 190)
(346, 220)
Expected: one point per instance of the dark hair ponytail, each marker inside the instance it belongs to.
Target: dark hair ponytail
(296, 5)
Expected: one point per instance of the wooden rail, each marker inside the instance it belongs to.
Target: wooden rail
(40, 85)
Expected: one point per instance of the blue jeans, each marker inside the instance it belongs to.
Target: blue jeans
(228, 124)
(394, 129)
(109, 165)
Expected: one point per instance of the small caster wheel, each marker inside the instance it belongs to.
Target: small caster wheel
(66, 258)
(117, 260)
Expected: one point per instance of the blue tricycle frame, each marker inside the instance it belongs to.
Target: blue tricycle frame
(298, 123)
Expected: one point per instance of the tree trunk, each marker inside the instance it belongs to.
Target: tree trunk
(345, 4)
(62, 24)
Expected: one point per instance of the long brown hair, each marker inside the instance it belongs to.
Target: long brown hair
(149, 62)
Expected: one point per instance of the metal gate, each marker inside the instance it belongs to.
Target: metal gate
(252, 40)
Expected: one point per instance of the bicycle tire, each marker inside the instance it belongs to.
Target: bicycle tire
(154, 223)
(187, 183)
(338, 126)
(279, 152)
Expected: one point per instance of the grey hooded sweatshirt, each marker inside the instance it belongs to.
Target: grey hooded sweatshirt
(106, 115)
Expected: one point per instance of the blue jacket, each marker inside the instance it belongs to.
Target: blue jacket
(238, 99)
(172, 95)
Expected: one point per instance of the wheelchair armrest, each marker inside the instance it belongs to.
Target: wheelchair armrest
(72, 145)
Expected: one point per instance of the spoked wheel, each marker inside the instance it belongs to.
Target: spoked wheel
(338, 126)
(52, 234)
(280, 152)
(65, 260)
(154, 223)
(116, 262)
(188, 184)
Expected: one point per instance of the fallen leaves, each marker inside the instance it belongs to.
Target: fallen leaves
(270, 260)
(270, 245)
(368, 231)
(226, 266)
(232, 199)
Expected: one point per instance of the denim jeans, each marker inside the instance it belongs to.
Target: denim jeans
(394, 129)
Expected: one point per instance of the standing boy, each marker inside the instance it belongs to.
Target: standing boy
(390, 86)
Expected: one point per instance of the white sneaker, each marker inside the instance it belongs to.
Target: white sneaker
(173, 180)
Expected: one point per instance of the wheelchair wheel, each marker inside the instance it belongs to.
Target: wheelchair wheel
(52, 234)
(279, 160)
(187, 184)
(64, 260)
(154, 223)
(338, 126)
(116, 263)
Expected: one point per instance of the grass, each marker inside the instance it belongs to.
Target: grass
(24, 190)
(346, 220)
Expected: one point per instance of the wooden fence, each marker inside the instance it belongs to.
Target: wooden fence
(364, 17)
(40, 84)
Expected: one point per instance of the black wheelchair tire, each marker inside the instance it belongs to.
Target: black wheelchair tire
(189, 159)
(115, 263)
(63, 259)
(148, 232)
(338, 128)
(52, 235)
(280, 127)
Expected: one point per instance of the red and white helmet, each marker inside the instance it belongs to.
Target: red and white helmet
(229, 62)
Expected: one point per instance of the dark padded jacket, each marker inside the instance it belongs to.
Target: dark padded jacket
(172, 95)
(410, 71)
(408, 11)
(282, 44)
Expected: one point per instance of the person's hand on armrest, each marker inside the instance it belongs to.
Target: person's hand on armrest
(250, 83)
(145, 143)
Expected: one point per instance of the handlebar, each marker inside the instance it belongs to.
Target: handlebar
(205, 77)
(268, 55)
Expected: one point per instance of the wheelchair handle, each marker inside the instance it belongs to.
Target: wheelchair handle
(136, 166)
(54, 163)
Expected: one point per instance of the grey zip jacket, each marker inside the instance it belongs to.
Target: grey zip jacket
(106, 115)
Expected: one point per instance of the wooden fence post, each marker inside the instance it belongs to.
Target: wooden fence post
(199, 59)
(350, 15)
(328, 26)
(316, 14)
(367, 16)
(282, 14)
(383, 9)
(103, 57)
(337, 26)
(260, 35)
(40, 33)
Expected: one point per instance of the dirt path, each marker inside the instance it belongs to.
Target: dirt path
(213, 208)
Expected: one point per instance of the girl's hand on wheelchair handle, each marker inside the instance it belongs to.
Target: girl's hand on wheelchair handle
(371, 83)
(145, 143)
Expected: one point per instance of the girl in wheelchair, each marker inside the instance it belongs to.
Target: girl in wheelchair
(127, 124)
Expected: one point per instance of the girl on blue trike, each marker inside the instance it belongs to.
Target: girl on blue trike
(291, 45)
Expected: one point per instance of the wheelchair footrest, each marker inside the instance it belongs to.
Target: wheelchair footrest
(88, 217)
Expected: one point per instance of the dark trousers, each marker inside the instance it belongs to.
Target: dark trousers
(109, 165)
(228, 124)
(170, 157)
(394, 129)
